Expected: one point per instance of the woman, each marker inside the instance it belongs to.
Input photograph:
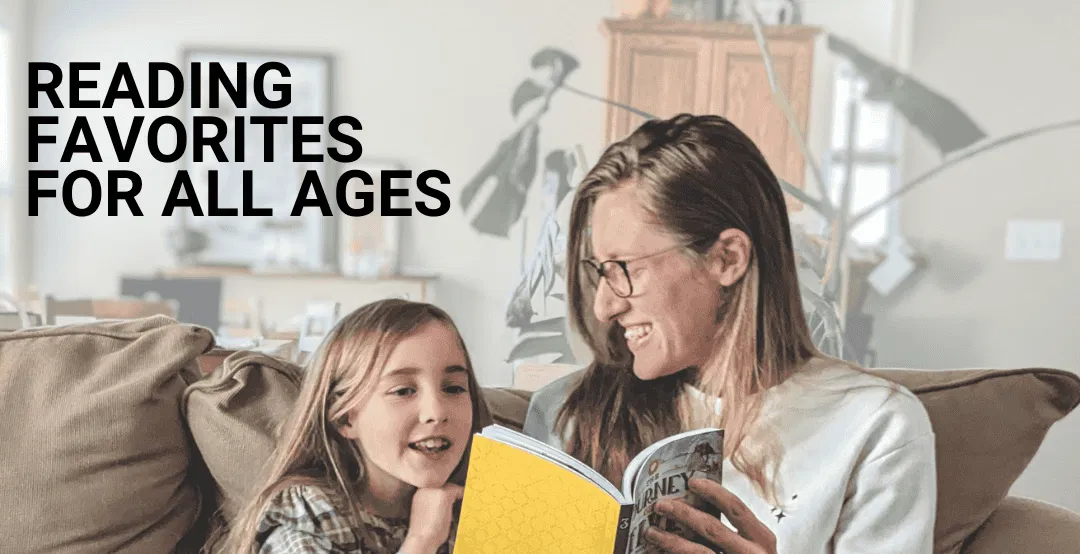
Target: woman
(371, 459)
(683, 251)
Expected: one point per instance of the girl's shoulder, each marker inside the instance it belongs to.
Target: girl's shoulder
(308, 500)
(306, 512)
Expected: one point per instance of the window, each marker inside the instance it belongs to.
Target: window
(874, 155)
(7, 223)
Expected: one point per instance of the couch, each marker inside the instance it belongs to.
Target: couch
(113, 440)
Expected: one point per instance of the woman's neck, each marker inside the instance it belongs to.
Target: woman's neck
(387, 496)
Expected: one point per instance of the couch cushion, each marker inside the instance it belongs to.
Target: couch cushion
(988, 425)
(94, 452)
(507, 406)
(234, 413)
(1025, 525)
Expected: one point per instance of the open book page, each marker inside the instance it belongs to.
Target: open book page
(529, 444)
(664, 471)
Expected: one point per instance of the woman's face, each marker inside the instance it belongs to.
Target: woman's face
(670, 317)
(414, 428)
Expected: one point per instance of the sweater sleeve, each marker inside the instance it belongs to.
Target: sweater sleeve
(891, 500)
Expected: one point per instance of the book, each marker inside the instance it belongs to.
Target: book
(524, 496)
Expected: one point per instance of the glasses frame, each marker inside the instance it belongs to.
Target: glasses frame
(599, 268)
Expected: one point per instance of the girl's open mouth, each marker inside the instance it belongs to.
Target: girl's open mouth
(431, 445)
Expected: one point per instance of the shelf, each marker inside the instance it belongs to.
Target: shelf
(226, 272)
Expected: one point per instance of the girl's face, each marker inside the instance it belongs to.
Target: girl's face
(414, 428)
(670, 316)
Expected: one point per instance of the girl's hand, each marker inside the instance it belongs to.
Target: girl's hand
(753, 536)
(430, 517)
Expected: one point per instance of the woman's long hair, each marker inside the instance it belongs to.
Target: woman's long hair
(339, 378)
(697, 176)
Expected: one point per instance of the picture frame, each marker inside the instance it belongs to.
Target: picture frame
(279, 242)
(369, 245)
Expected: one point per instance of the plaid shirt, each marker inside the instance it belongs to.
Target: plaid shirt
(302, 519)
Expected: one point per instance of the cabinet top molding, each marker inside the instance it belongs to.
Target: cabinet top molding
(706, 28)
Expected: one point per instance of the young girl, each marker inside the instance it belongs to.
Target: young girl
(372, 457)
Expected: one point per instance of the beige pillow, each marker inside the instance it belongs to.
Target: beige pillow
(988, 425)
(93, 450)
(234, 414)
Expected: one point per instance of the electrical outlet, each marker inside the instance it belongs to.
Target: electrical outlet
(1033, 240)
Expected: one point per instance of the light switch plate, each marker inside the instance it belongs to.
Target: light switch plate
(1033, 239)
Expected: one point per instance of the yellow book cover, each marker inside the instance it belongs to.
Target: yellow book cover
(523, 496)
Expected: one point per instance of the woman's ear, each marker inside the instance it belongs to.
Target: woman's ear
(729, 256)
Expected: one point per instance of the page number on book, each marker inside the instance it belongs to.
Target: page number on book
(624, 523)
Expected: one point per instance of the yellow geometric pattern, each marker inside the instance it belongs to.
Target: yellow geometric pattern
(518, 503)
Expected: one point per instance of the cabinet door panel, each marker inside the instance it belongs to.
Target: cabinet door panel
(741, 92)
(658, 74)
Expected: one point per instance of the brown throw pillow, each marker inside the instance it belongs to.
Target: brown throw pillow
(234, 414)
(507, 406)
(988, 425)
(93, 450)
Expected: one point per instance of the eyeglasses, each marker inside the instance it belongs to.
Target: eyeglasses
(616, 273)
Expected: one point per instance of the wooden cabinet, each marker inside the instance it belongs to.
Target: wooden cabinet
(665, 67)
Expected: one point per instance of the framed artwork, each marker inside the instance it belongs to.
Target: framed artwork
(370, 244)
(278, 242)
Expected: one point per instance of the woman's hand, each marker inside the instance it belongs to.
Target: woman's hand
(430, 518)
(753, 536)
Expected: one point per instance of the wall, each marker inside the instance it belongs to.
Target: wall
(430, 82)
(1012, 68)
(432, 87)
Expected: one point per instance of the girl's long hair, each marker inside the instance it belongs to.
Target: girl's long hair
(339, 378)
(697, 176)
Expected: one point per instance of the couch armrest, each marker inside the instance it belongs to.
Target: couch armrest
(1025, 525)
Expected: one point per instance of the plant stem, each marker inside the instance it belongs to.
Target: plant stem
(781, 99)
(609, 102)
(957, 159)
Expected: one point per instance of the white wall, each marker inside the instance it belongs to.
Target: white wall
(431, 82)
(1011, 67)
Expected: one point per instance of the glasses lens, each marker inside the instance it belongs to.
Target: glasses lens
(617, 278)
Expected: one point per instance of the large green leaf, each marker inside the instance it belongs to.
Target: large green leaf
(560, 62)
(529, 346)
(513, 167)
(526, 92)
(824, 321)
(552, 325)
(936, 117)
